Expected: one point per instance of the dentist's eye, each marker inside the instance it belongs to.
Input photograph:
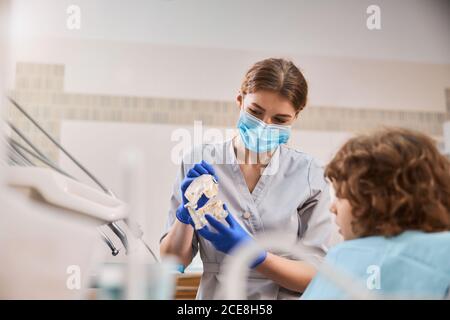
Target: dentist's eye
(279, 121)
(255, 112)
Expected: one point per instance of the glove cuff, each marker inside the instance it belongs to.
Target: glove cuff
(182, 215)
(259, 260)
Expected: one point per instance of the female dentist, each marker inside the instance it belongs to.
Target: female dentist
(266, 185)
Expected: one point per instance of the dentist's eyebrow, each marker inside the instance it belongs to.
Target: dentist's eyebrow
(283, 115)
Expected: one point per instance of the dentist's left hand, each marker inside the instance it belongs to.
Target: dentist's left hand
(228, 238)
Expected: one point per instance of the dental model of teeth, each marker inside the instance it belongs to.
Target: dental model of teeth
(208, 186)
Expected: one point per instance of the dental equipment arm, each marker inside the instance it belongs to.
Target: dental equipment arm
(113, 225)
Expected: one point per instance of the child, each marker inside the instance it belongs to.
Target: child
(392, 204)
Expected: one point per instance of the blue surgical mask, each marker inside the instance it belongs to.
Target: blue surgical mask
(259, 136)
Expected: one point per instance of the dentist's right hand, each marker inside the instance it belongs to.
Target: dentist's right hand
(196, 171)
(178, 241)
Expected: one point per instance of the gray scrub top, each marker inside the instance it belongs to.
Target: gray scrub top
(283, 199)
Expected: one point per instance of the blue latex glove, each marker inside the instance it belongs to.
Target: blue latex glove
(197, 170)
(228, 238)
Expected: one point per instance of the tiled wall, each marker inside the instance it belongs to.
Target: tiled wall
(40, 89)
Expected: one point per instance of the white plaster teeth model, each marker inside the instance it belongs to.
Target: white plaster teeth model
(208, 186)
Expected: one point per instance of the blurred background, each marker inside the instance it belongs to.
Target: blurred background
(105, 76)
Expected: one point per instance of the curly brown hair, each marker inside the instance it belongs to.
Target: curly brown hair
(395, 180)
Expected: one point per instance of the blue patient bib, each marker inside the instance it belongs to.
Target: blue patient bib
(412, 265)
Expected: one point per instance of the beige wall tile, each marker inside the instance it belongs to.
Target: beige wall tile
(39, 87)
